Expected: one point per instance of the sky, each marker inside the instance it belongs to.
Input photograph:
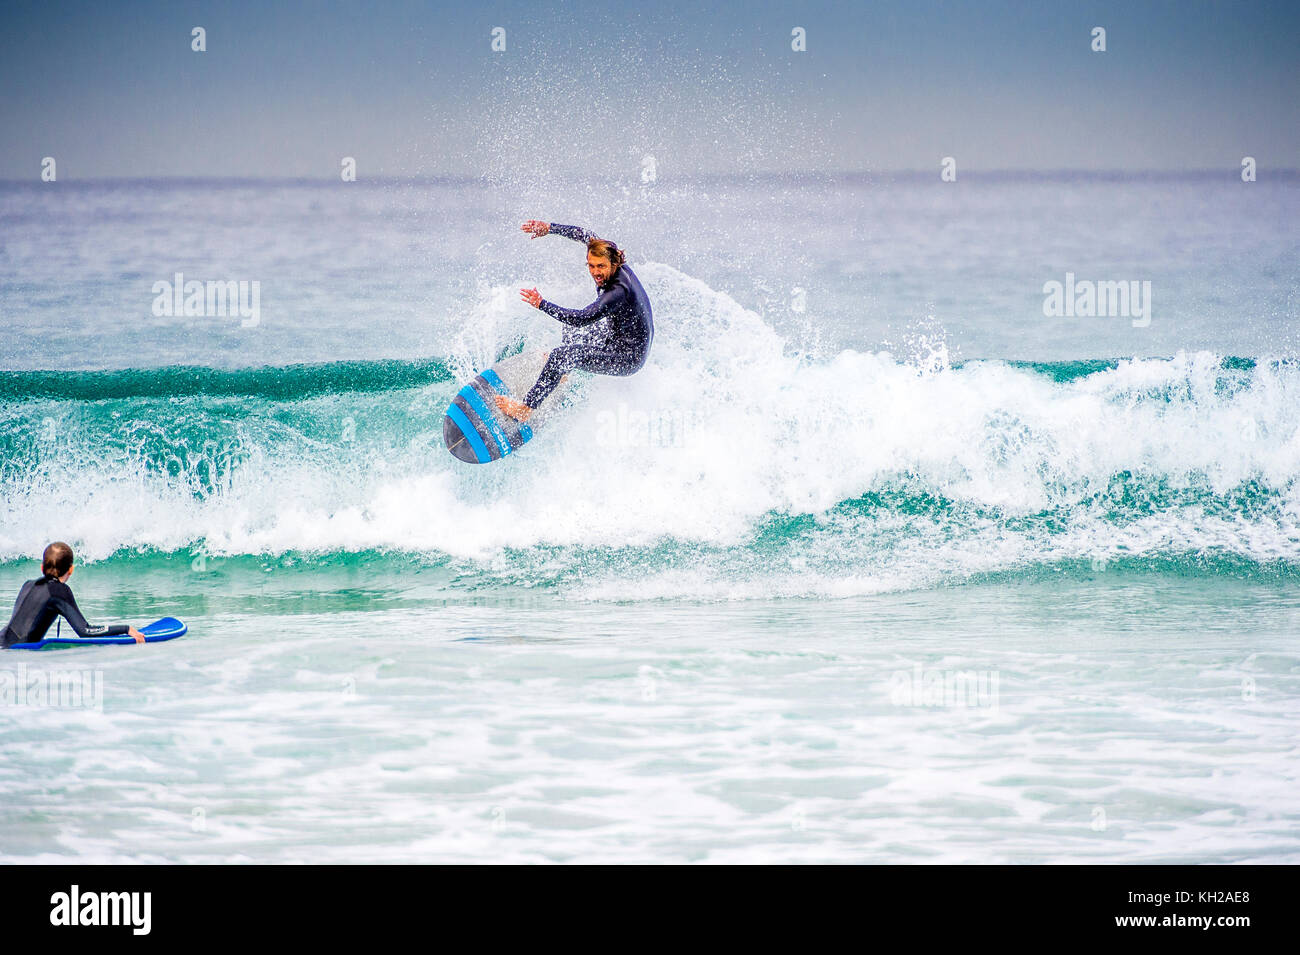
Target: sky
(287, 90)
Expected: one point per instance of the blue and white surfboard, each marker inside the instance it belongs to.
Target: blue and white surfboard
(476, 431)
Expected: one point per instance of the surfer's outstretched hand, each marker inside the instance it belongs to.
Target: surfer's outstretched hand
(536, 228)
(531, 296)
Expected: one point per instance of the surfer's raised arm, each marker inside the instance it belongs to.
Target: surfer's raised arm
(536, 228)
(575, 232)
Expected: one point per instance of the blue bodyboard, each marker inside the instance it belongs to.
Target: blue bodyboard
(168, 628)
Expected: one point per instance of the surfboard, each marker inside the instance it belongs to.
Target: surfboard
(168, 628)
(477, 432)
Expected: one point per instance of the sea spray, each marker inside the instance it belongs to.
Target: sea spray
(780, 473)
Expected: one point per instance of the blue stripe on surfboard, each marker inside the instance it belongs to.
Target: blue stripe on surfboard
(472, 417)
(508, 423)
(489, 420)
(470, 433)
(493, 379)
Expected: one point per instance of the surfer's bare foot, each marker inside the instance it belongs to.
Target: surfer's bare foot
(516, 409)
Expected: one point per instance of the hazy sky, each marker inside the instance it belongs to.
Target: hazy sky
(414, 88)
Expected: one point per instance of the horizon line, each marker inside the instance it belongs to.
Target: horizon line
(1232, 172)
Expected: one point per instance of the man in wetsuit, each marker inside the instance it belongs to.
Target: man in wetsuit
(622, 302)
(40, 601)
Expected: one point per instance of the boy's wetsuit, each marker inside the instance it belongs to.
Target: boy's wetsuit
(623, 302)
(39, 602)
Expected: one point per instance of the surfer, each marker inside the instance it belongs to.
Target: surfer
(41, 600)
(622, 301)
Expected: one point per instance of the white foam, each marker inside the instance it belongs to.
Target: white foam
(723, 428)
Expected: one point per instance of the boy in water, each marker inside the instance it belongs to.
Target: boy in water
(42, 600)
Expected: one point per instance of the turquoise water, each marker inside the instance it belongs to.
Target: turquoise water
(1135, 717)
(906, 572)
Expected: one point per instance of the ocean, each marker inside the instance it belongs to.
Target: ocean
(881, 558)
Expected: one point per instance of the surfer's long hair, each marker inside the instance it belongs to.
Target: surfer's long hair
(604, 249)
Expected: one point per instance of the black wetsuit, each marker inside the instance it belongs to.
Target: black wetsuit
(622, 351)
(39, 602)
